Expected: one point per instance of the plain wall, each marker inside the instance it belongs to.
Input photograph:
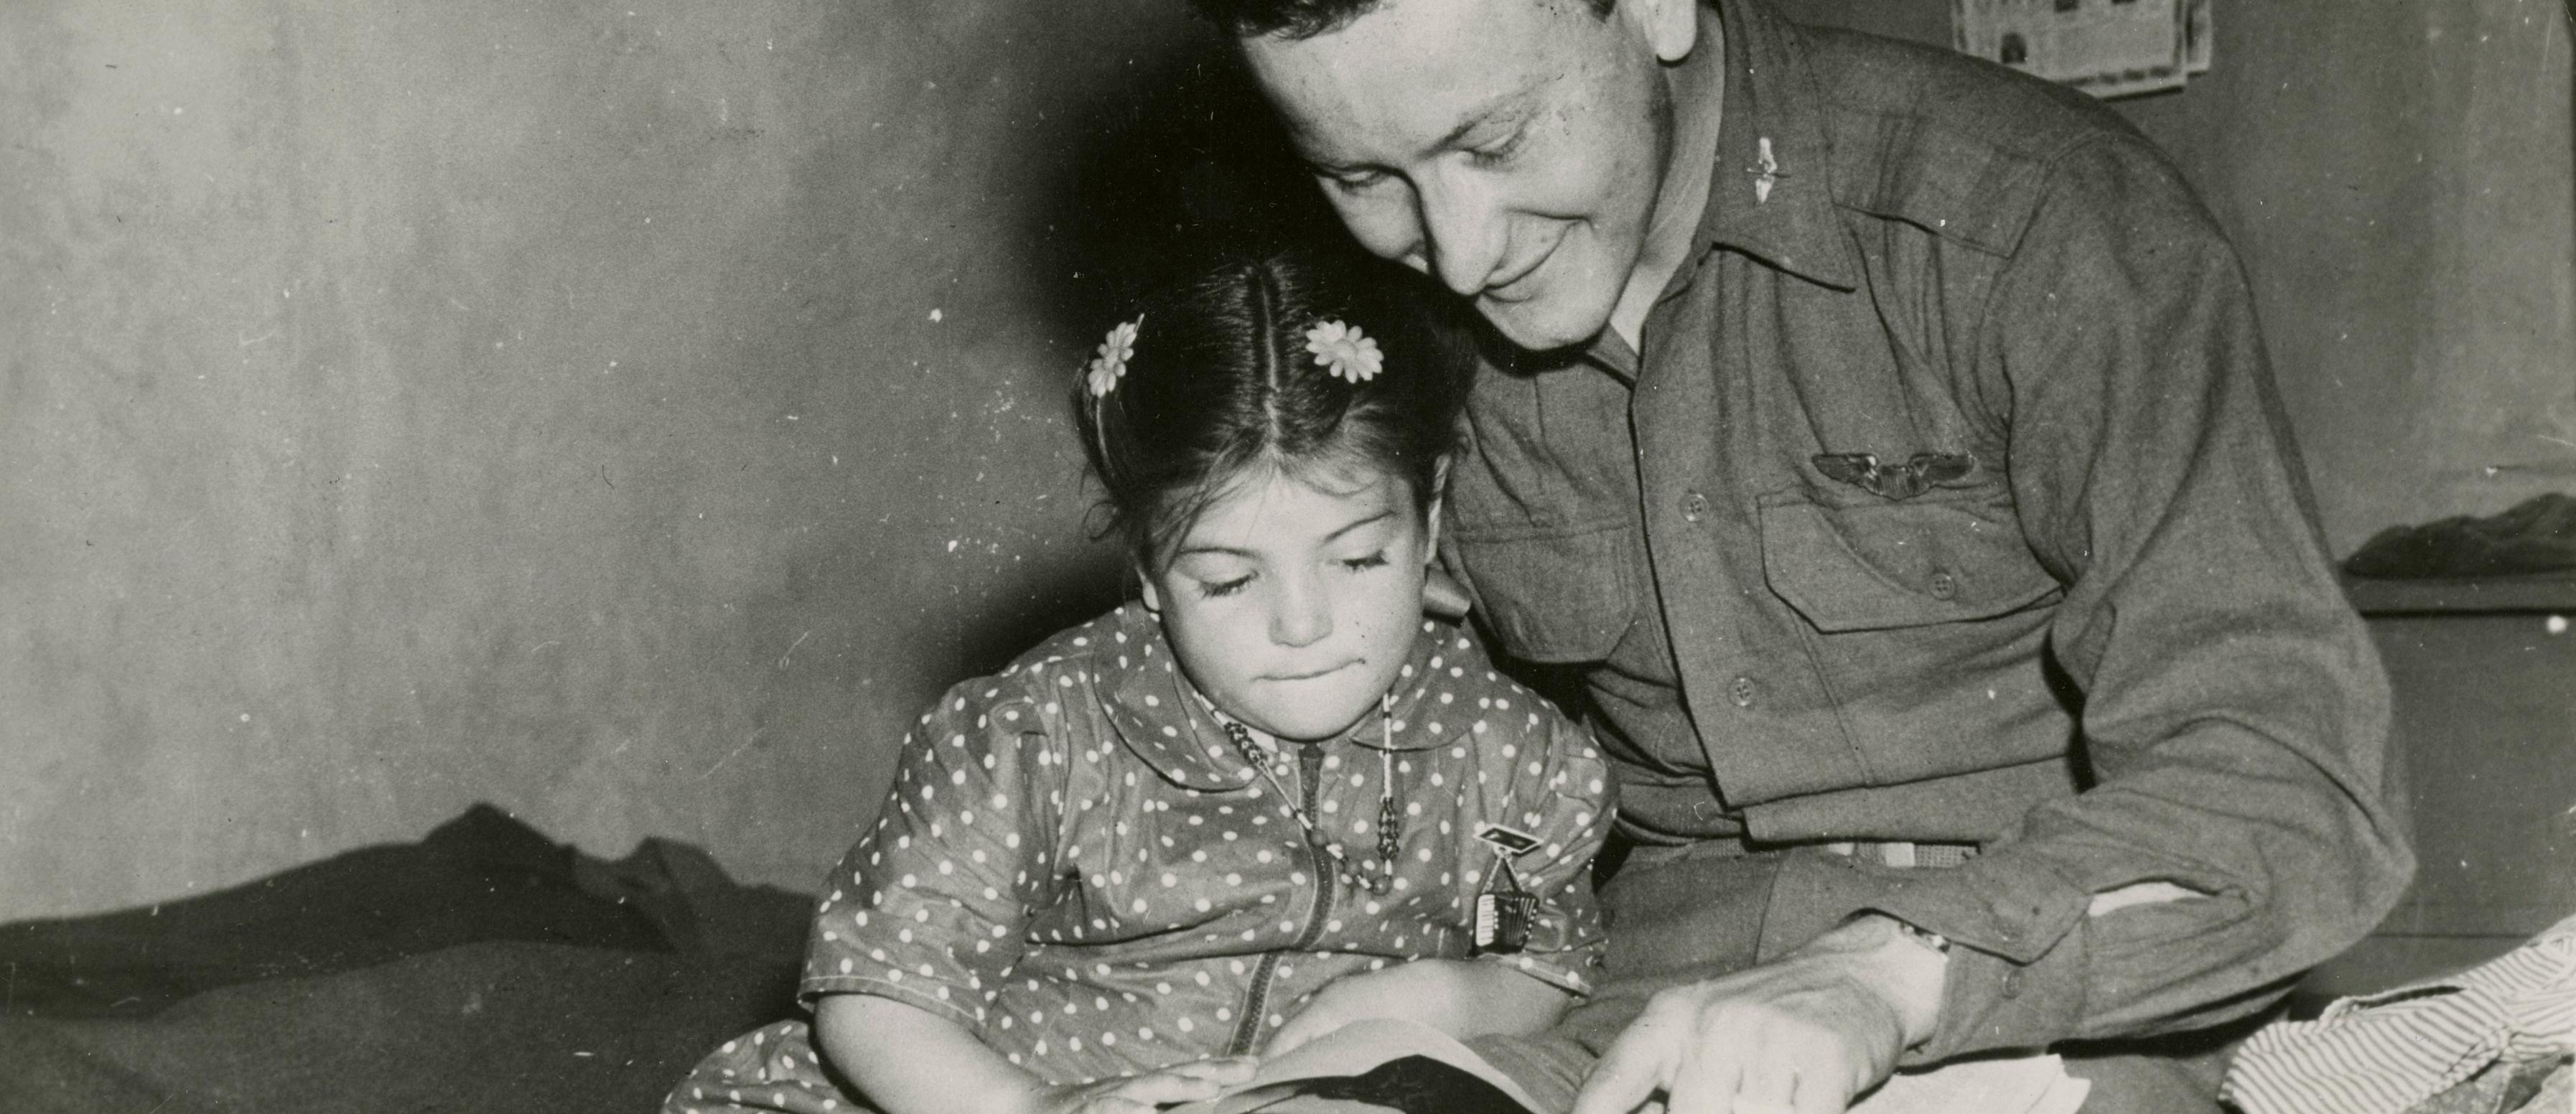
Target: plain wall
(627, 413)
(632, 414)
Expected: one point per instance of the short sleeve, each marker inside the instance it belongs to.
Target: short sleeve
(931, 905)
(1560, 792)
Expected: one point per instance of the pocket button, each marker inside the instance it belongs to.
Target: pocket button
(1944, 586)
(1694, 506)
(1740, 691)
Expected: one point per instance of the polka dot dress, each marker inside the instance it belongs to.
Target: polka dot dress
(1079, 866)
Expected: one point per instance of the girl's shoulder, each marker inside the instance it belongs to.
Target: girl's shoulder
(1083, 660)
(1055, 683)
(1459, 675)
(1124, 631)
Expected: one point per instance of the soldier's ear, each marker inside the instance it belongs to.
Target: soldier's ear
(1670, 27)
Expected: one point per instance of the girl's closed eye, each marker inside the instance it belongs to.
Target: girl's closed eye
(1360, 564)
(1214, 589)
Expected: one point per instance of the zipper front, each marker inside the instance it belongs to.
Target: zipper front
(1310, 779)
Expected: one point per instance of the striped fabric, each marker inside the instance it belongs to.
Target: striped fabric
(2386, 1052)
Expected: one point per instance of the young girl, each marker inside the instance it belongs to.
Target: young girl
(1269, 800)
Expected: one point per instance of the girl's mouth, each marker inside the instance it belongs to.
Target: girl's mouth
(1311, 676)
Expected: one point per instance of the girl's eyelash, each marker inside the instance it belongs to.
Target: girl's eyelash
(1217, 589)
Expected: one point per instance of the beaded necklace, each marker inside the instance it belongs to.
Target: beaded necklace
(1310, 768)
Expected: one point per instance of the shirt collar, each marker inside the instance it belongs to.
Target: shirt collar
(1165, 724)
(1774, 131)
(1772, 107)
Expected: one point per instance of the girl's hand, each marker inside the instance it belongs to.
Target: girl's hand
(1140, 1094)
(1458, 997)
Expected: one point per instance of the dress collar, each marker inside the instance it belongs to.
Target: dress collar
(1166, 725)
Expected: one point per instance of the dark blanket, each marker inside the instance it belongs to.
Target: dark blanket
(2535, 538)
(482, 969)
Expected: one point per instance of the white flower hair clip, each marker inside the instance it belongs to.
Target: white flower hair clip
(1345, 351)
(1110, 361)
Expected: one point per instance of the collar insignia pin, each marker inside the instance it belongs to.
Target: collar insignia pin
(1765, 170)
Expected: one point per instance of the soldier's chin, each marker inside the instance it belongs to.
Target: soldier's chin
(1542, 323)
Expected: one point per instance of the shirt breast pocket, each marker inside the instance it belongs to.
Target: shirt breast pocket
(1929, 623)
(1551, 594)
(1892, 565)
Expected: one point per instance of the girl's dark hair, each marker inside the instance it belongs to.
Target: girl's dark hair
(1221, 381)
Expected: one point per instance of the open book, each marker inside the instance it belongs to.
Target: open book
(1368, 1067)
(1372, 1066)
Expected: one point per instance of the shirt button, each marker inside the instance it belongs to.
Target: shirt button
(1741, 692)
(1944, 586)
(1694, 506)
(2012, 983)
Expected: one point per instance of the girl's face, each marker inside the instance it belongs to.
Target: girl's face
(1292, 603)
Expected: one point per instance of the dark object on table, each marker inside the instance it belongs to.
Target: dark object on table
(483, 969)
(2538, 536)
(1416, 1085)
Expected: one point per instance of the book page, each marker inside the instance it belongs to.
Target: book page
(2023, 1085)
(1352, 1050)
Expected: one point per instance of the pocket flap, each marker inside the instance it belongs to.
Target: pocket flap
(1886, 565)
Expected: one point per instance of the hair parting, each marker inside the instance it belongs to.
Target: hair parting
(1224, 388)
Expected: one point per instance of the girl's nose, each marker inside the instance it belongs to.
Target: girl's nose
(1303, 615)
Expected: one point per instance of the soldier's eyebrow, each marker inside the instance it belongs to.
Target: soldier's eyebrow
(1511, 104)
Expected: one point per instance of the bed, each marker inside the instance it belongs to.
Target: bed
(481, 969)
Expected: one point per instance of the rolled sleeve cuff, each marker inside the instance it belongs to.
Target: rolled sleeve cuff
(1991, 1003)
(2018, 958)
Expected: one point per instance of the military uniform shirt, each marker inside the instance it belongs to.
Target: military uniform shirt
(1947, 498)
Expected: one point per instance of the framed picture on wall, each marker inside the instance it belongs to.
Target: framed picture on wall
(2109, 48)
